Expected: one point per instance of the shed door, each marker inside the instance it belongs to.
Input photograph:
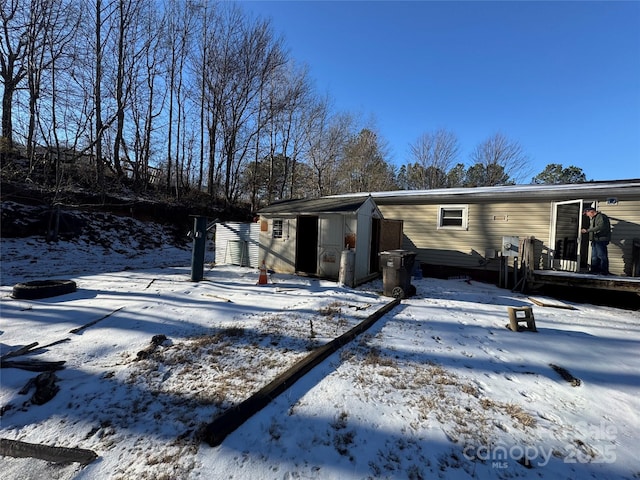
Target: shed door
(390, 234)
(386, 235)
(565, 241)
(331, 244)
(307, 245)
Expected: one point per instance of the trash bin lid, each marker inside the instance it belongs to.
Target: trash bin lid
(397, 252)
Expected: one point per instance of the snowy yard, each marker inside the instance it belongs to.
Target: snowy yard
(436, 388)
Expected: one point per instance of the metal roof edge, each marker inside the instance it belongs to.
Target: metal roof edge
(310, 206)
(503, 190)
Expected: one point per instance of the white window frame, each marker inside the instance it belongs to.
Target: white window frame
(464, 209)
(274, 230)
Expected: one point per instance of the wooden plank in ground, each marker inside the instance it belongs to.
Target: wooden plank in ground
(18, 352)
(31, 348)
(90, 324)
(229, 420)
(547, 302)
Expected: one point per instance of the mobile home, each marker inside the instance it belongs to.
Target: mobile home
(470, 228)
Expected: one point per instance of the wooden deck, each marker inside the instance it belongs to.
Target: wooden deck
(585, 280)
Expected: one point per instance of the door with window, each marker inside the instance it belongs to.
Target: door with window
(566, 239)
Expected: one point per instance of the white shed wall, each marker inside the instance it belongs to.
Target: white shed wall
(279, 253)
(237, 244)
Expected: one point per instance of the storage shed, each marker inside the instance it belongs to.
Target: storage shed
(309, 236)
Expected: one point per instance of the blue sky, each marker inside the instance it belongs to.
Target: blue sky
(561, 78)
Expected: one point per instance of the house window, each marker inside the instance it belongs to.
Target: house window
(453, 216)
(277, 228)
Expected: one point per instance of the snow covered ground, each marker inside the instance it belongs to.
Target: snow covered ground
(436, 388)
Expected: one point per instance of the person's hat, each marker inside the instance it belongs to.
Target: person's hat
(589, 209)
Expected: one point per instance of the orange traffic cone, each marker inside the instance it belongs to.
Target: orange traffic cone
(262, 279)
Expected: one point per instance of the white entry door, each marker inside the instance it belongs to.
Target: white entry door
(330, 246)
(565, 240)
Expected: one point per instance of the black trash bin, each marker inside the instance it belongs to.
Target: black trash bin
(397, 266)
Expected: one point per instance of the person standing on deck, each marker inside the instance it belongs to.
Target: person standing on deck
(599, 234)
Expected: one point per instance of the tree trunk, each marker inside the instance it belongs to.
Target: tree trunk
(97, 98)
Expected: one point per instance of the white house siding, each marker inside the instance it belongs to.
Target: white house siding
(625, 226)
(487, 224)
(237, 244)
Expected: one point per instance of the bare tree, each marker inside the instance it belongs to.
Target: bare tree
(327, 136)
(219, 68)
(253, 57)
(287, 107)
(293, 131)
(62, 28)
(147, 97)
(47, 36)
(16, 24)
(88, 113)
(184, 85)
(179, 20)
(500, 157)
(37, 62)
(127, 18)
(97, 96)
(434, 154)
(207, 19)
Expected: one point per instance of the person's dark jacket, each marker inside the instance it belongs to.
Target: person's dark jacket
(600, 228)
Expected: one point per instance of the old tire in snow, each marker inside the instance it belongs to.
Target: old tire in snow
(43, 289)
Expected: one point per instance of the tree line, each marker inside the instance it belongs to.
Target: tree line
(195, 96)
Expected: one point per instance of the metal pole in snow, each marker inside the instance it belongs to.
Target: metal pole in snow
(199, 242)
